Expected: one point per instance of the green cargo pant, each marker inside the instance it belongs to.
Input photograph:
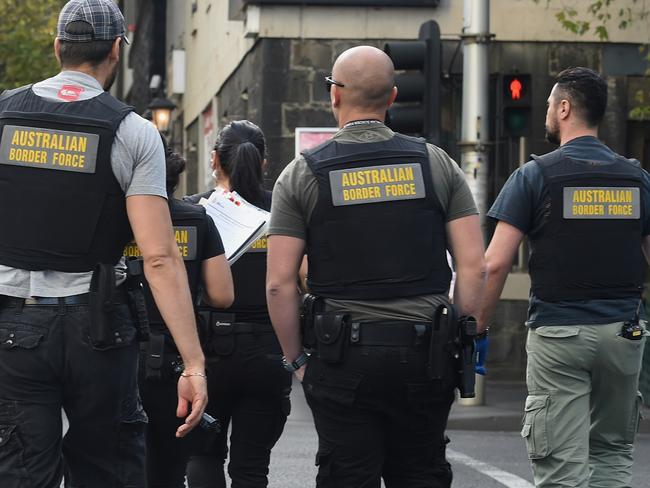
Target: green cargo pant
(582, 409)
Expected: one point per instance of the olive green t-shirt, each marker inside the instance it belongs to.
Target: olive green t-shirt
(295, 195)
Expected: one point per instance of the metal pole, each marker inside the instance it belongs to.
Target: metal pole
(475, 128)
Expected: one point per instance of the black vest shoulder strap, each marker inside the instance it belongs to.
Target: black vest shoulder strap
(16, 91)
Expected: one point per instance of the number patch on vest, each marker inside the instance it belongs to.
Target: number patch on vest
(185, 239)
(374, 184)
(60, 150)
(260, 245)
(582, 202)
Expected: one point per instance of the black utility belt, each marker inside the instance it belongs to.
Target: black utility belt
(81, 299)
(394, 333)
(243, 327)
(330, 327)
(227, 323)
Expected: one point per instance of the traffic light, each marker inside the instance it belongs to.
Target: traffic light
(515, 105)
(417, 107)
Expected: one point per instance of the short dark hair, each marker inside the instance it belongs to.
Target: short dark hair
(587, 92)
(77, 53)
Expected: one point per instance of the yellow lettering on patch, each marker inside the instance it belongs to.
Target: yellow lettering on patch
(182, 236)
(262, 243)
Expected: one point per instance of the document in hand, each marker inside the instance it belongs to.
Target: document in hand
(239, 223)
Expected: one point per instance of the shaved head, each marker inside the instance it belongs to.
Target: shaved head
(368, 75)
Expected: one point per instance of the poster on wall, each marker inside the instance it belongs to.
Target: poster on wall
(308, 137)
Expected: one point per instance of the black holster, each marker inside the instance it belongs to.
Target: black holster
(452, 338)
(102, 306)
(135, 294)
(467, 356)
(311, 305)
(332, 332)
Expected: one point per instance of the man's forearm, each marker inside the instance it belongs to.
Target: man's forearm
(284, 304)
(168, 281)
(496, 278)
(469, 289)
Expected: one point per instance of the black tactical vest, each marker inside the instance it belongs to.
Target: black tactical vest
(189, 230)
(249, 275)
(61, 207)
(377, 230)
(590, 245)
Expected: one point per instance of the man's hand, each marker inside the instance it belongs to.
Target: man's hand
(192, 391)
(300, 372)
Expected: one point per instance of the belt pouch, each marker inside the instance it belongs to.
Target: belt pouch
(441, 335)
(222, 330)
(332, 335)
(100, 299)
(155, 357)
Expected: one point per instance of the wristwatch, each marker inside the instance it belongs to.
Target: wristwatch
(296, 364)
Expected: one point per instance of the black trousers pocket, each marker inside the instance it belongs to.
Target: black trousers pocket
(13, 472)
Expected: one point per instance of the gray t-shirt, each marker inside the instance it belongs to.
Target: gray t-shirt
(296, 192)
(137, 160)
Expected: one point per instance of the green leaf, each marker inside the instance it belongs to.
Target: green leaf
(601, 33)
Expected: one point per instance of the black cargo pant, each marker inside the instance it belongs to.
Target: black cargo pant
(379, 416)
(167, 455)
(249, 389)
(47, 362)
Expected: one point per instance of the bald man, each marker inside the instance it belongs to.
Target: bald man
(375, 212)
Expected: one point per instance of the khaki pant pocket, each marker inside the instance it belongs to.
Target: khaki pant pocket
(635, 419)
(535, 428)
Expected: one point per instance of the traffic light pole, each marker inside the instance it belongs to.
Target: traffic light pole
(475, 118)
(475, 127)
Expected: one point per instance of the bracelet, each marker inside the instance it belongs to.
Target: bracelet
(187, 375)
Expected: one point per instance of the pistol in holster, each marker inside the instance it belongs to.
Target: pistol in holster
(466, 359)
(135, 294)
(452, 338)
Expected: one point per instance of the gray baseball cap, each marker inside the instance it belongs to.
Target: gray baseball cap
(102, 15)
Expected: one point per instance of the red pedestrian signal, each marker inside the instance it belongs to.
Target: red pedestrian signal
(515, 89)
(516, 105)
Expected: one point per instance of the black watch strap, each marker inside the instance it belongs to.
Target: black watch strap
(296, 364)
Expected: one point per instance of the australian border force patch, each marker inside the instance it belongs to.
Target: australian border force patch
(35, 147)
(186, 240)
(374, 184)
(603, 202)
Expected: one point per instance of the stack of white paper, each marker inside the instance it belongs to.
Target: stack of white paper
(239, 222)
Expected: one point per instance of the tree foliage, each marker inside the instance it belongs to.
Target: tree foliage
(599, 15)
(27, 31)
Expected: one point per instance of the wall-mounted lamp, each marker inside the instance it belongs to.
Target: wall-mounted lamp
(161, 113)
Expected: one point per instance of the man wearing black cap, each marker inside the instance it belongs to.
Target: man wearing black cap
(79, 171)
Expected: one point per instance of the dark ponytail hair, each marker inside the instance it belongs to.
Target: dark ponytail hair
(241, 148)
(174, 167)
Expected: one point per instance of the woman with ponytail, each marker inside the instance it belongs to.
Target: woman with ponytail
(208, 274)
(247, 385)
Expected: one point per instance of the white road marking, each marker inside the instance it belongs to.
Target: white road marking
(506, 479)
